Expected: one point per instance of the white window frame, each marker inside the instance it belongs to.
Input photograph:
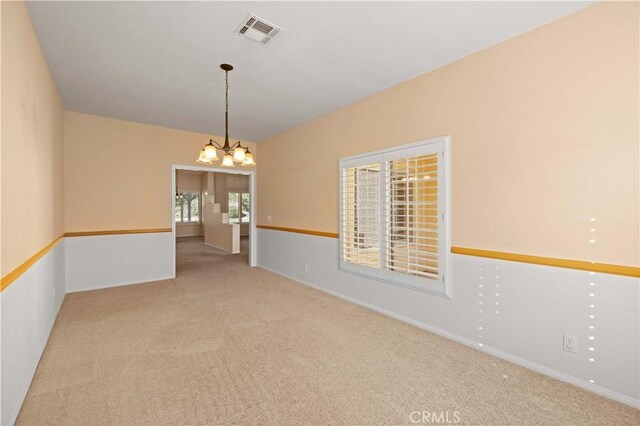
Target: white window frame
(442, 145)
(239, 193)
(182, 210)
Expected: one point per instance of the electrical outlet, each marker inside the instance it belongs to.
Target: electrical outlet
(305, 267)
(269, 219)
(570, 343)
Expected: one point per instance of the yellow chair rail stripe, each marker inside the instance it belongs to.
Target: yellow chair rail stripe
(16, 273)
(13, 275)
(299, 231)
(604, 268)
(116, 232)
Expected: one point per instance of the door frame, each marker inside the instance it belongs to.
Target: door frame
(253, 235)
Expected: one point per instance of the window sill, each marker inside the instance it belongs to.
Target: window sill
(433, 288)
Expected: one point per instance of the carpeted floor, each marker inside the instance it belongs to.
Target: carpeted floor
(224, 343)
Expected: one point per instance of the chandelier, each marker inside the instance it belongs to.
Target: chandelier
(230, 153)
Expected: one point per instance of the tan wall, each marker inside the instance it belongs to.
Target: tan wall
(544, 132)
(222, 235)
(32, 143)
(188, 181)
(220, 191)
(118, 173)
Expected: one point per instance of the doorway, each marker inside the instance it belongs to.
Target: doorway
(213, 212)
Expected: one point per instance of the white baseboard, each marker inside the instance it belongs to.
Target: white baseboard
(220, 248)
(477, 345)
(121, 284)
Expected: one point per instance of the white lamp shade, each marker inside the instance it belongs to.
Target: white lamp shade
(227, 160)
(238, 154)
(210, 152)
(248, 160)
(203, 158)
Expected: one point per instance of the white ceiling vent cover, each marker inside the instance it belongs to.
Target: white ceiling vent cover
(257, 29)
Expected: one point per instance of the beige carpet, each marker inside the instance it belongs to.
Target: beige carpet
(224, 343)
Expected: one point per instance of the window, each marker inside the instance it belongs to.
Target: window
(361, 215)
(393, 215)
(187, 207)
(238, 207)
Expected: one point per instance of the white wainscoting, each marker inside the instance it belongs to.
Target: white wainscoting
(30, 306)
(103, 261)
(523, 310)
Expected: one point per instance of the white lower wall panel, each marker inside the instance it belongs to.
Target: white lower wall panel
(103, 261)
(29, 307)
(514, 310)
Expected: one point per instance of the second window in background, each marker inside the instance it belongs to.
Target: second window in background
(238, 207)
(187, 207)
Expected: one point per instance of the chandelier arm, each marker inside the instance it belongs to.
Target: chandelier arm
(217, 145)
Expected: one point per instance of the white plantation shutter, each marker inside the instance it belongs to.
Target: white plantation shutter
(361, 215)
(392, 215)
(412, 216)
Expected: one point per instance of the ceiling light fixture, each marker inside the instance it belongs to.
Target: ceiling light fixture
(231, 153)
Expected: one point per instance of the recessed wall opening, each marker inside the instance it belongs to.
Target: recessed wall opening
(212, 216)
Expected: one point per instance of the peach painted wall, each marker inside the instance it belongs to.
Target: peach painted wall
(544, 131)
(32, 143)
(118, 173)
(188, 181)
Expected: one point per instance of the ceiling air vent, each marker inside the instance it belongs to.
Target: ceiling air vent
(257, 29)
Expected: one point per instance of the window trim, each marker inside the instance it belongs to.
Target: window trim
(200, 203)
(440, 287)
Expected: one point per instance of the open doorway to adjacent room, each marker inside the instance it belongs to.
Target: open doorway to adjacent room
(212, 216)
